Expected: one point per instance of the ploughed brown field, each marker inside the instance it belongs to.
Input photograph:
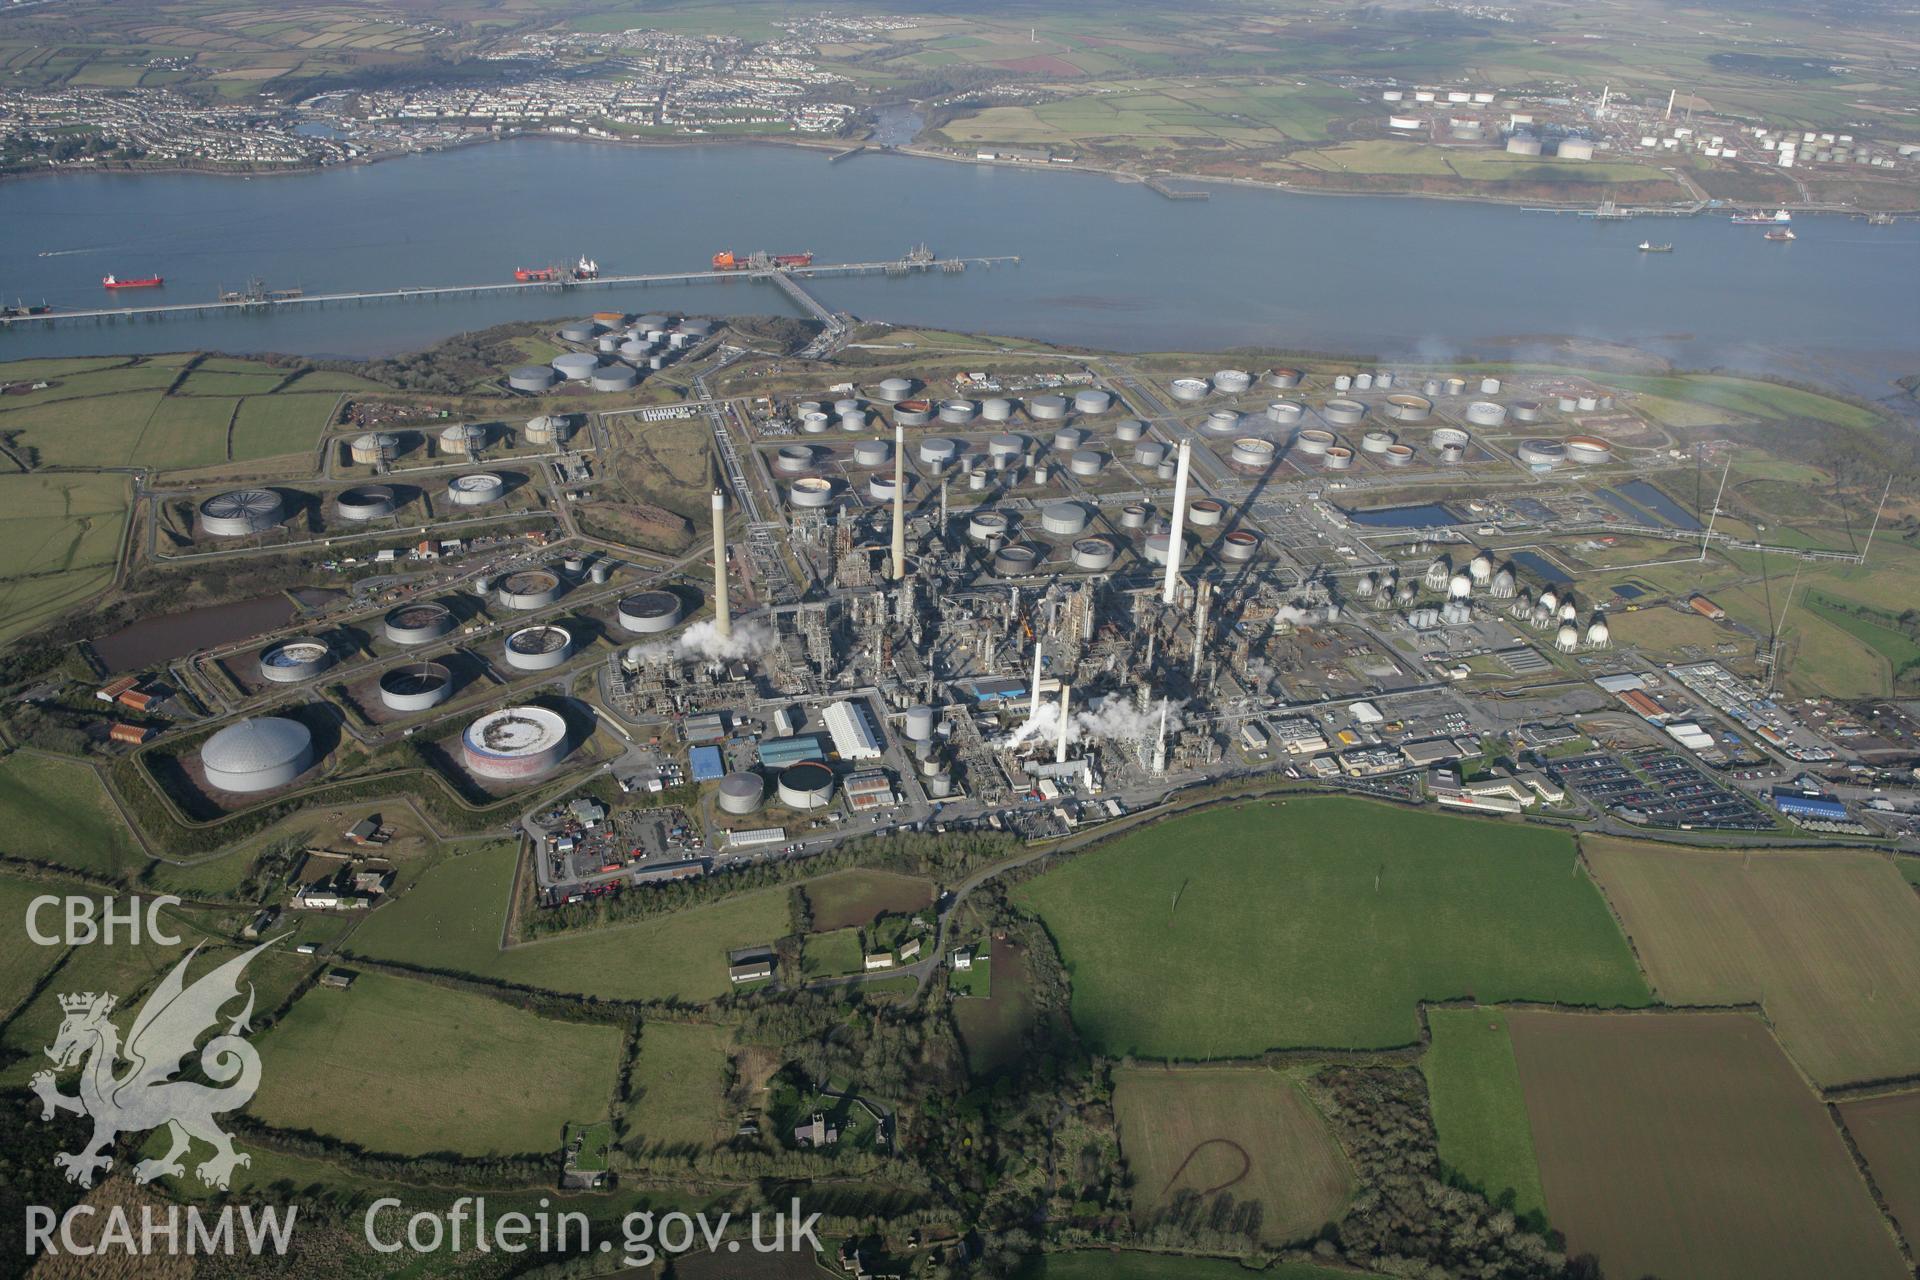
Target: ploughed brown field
(1887, 1131)
(1826, 940)
(1686, 1145)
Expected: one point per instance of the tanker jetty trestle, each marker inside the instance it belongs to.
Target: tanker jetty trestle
(256, 298)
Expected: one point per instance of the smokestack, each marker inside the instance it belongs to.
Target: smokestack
(1171, 589)
(722, 619)
(1202, 595)
(1671, 95)
(899, 502)
(1033, 710)
(1160, 743)
(1066, 718)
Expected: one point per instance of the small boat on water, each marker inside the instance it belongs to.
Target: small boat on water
(1780, 233)
(1647, 246)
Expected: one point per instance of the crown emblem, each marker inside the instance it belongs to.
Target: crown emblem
(80, 1002)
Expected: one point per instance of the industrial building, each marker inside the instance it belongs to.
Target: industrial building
(851, 729)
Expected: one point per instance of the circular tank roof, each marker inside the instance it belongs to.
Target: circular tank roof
(256, 746)
(516, 731)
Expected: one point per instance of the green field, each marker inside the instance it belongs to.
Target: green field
(60, 538)
(676, 1089)
(1320, 923)
(452, 918)
(852, 898)
(269, 426)
(187, 431)
(993, 1027)
(1102, 1264)
(1479, 1113)
(89, 834)
(22, 963)
(409, 1067)
(827, 955)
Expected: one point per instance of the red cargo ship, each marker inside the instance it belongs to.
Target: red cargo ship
(534, 275)
(139, 282)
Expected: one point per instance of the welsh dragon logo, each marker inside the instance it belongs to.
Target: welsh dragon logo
(145, 1096)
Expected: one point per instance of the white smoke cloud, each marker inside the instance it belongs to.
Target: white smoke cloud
(1117, 719)
(703, 640)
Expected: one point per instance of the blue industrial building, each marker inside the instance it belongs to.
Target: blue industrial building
(778, 753)
(1797, 804)
(708, 765)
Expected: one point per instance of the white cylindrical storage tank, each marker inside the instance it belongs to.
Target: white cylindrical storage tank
(533, 378)
(1149, 453)
(1232, 382)
(1067, 439)
(1376, 441)
(1205, 513)
(805, 786)
(529, 589)
(1063, 519)
(1588, 404)
(1128, 430)
(373, 448)
(872, 453)
(1343, 413)
(854, 420)
(1251, 453)
(1486, 413)
(846, 405)
(615, 377)
(1456, 386)
(983, 525)
(1575, 149)
(1222, 422)
(1134, 515)
(463, 438)
(418, 686)
(1190, 389)
(1526, 410)
(1566, 404)
(1450, 437)
(810, 493)
(1047, 408)
(919, 724)
(366, 502)
(648, 613)
(1489, 386)
(741, 794)
(1092, 401)
(292, 661)
(996, 409)
(1154, 547)
(1313, 441)
(549, 429)
(1398, 455)
(1285, 412)
(1006, 449)
(635, 349)
(576, 366)
(1343, 382)
(1239, 546)
(913, 413)
(1016, 560)
(1281, 379)
(1095, 553)
(1363, 382)
(1338, 458)
(420, 623)
(578, 331)
(793, 459)
(881, 487)
(1588, 450)
(956, 413)
(241, 512)
(514, 743)
(938, 451)
(894, 390)
(1404, 406)
(1086, 463)
(260, 754)
(814, 422)
(539, 648)
(1541, 453)
(607, 344)
(476, 489)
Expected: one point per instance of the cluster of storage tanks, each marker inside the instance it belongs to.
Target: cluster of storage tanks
(618, 355)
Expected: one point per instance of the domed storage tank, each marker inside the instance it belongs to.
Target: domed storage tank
(996, 409)
(255, 755)
(463, 438)
(295, 660)
(1190, 389)
(1232, 382)
(1343, 413)
(366, 502)
(476, 489)
(1281, 379)
(241, 512)
(373, 448)
(1588, 450)
(514, 743)
(549, 429)
(1222, 423)
(420, 623)
(919, 724)
(615, 377)
(648, 613)
(576, 366)
(529, 589)
(1204, 513)
(741, 794)
(1251, 454)
(1086, 463)
(533, 378)
(1092, 401)
(539, 648)
(810, 493)
(956, 413)
(938, 451)
(1047, 408)
(1063, 519)
(1485, 413)
(1094, 553)
(805, 786)
(418, 686)
(1285, 412)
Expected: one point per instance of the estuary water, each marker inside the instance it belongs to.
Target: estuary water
(1104, 264)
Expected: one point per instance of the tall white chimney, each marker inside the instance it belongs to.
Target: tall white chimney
(1066, 718)
(899, 502)
(1160, 743)
(1033, 709)
(722, 618)
(1170, 591)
